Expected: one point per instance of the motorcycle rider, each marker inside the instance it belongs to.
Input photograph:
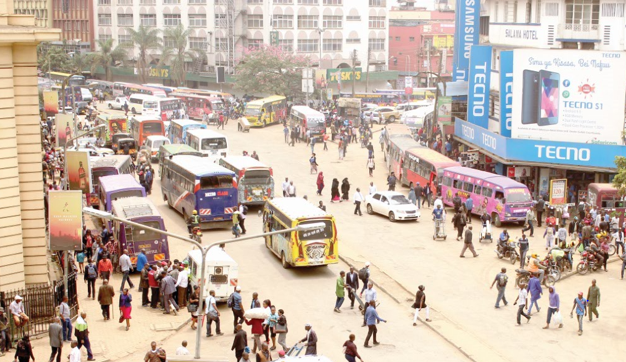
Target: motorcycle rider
(193, 222)
(535, 266)
(503, 242)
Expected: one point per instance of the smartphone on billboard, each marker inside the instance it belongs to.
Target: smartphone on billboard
(549, 97)
(530, 97)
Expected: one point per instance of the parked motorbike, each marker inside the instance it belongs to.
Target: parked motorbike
(508, 251)
(588, 262)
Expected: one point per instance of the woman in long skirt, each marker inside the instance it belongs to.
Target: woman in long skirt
(334, 191)
(126, 307)
(320, 183)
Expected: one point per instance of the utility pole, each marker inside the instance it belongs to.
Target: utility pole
(319, 65)
(367, 75)
(428, 60)
(353, 65)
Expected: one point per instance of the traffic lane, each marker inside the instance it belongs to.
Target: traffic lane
(404, 250)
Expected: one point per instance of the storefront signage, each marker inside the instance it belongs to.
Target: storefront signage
(558, 195)
(465, 35)
(506, 92)
(549, 152)
(345, 74)
(526, 35)
(569, 96)
(157, 71)
(479, 81)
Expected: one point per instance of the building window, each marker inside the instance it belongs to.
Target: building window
(197, 20)
(197, 1)
(496, 16)
(308, 2)
(283, 1)
(147, 2)
(124, 19)
(614, 10)
(104, 19)
(397, 38)
(353, 41)
(221, 44)
(582, 15)
(332, 22)
(527, 12)
(377, 44)
(377, 22)
(411, 38)
(254, 44)
(286, 44)
(378, 3)
(255, 21)
(220, 20)
(333, 2)
(308, 45)
(307, 21)
(125, 39)
(105, 37)
(483, 27)
(282, 21)
(353, 18)
(332, 45)
(199, 43)
(538, 12)
(147, 19)
(255, 1)
(171, 2)
(124, 2)
(171, 19)
(168, 42)
(552, 9)
(104, 2)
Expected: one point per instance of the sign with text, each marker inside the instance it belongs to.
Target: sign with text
(342, 75)
(157, 71)
(479, 81)
(522, 35)
(506, 92)
(444, 110)
(569, 95)
(65, 215)
(467, 20)
(558, 190)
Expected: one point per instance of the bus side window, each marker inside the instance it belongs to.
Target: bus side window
(467, 186)
(477, 189)
(499, 195)
(457, 184)
(447, 181)
(487, 192)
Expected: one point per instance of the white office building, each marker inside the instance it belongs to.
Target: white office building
(330, 29)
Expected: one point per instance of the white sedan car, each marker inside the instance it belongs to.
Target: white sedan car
(392, 204)
(118, 103)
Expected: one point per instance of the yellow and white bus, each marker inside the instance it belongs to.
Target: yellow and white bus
(266, 111)
(300, 248)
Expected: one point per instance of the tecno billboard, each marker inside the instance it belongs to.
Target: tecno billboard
(568, 95)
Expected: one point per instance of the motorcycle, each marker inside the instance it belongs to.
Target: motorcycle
(552, 273)
(196, 234)
(508, 251)
(522, 276)
(587, 263)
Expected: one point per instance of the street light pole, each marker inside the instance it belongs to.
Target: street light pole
(205, 250)
(319, 65)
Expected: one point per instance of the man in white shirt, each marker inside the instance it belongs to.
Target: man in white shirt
(181, 285)
(182, 350)
(285, 187)
(126, 266)
(75, 353)
(369, 295)
(438, 201)
(212, 315)
(17, 311)
(358, 198)
(291, 189)
(523, 295)
(373, 189)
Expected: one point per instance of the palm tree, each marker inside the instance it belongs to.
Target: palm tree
(175, 55)
(107, 57)
(78, 62)
(52, 59)
(145, 39)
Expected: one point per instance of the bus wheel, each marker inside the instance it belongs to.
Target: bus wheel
(283, 260)
(496, 220)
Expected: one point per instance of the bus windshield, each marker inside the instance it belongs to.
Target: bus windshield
(123, 194)
(213, 143)
(256, 176)
(147, 235)
(217, 105)
(323, 233)
(150, 105)
(252, 111)
(216, 182)
(152, 127)
(517, 195)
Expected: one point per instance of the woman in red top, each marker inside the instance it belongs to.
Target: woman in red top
(154, 287)
(257, 332)
(349, 349)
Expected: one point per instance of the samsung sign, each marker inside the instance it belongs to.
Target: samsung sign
(523, 150)
(479, 81)
(467, 18)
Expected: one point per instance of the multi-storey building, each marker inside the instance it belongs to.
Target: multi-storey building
(40, 9)
(328, 29)
(75, 19)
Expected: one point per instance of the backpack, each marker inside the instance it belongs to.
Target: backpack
(502, 280)
(245, 210)
(363, 274)
(91, 272)
(231, 301)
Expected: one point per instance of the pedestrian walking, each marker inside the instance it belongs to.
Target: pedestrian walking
(371, 165)
(358, 199)
(234, 302)
(419, 304)
(291, 189)
(256, 330)
(500, 281)
(580, 305)
(340, 287)
(334, 191)
(285, 187)
(155, 354)
(126, 266)
(350, 350)
(55, 333)
(105, 298)
(105, 268)
(352, 281)
(371, 295)
(144, 284)
(593, 300)
(555, 304)
(264, 354)
(535, 290)
(458, 220)
(345, 189)
(282, 330)
(181, 286)
(530, 219)
(75, 355)
(168, 289)
(364, 275)
(65, 312)
(213, 315)
(126, 307)
(521, 298)
(467, 244)
(182, 350)
(24, 350)
(412, 198)
(313, 163)
(320, 183)
(623, 257)
(523, 249)
(391, 182)
(469, 205)
(154, 286)
(310, 340)
(194, 304)
(240, 342)
(539, 207)
(236, 229)
(371, 318)
(271, 322)
(81, 331)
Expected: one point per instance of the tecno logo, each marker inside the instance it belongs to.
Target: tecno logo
(564, 153)
(468, 132)
(489, 141)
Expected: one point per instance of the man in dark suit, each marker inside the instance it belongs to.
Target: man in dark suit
(310, 341)
(55, 332)
(240, 342)
(352, 280)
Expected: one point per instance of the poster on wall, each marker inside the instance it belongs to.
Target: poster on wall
(320, 79)
(51, 102)
(65, 217)
(444, 110)
(78, 170)
(65, 128)
(558, 195)
(568, 96)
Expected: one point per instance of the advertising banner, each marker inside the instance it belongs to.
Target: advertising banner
(467, 19)
(518, 171)
(335, 75)
(569, 96)
(558, 195)
(78, 170)
(51, 102)
(65, 128)
(444, 110)
(479, 81)
(65, 215)
(320, 79)
(506, 92)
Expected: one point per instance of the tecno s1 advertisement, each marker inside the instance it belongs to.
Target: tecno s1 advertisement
(569, 95)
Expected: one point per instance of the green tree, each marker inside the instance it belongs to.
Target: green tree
(175, 52)
(107, 57)
(619, 181)
(270, 70)
(53, 58)
(144, 39)
(78, 63)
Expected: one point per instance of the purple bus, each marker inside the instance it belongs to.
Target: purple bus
(140, 210)
(117, 187)
(506, 200)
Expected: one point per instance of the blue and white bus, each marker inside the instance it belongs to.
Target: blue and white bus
(191, 183)
(179, 127)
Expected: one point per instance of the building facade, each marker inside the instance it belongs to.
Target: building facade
(328, 29)
(75, 19)
(23, 245)
(40, 9)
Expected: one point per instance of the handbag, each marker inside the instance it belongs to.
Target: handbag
(192, 308)
(280, 328)
(213, 315)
